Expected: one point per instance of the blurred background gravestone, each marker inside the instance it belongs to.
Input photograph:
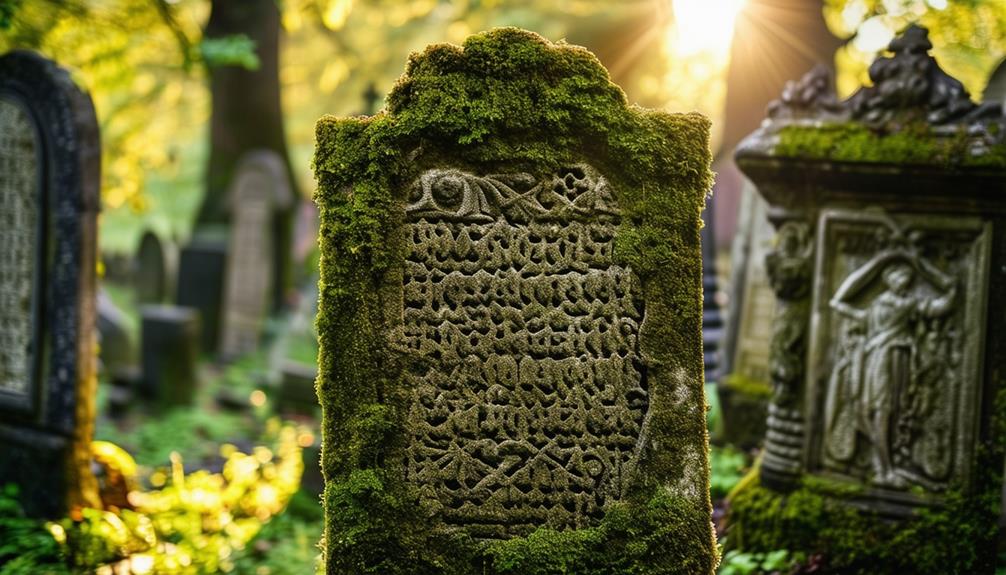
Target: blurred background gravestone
(510, 320)
(155, 269)
(884, 363)
(171, 337)
(202, 264)
(50, 153)
(260, 190)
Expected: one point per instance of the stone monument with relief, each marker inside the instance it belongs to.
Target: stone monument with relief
(510, 322)
(888, 349)
(49, 198)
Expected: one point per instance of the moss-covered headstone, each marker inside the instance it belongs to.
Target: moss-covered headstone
(511, 356)
(887, 355)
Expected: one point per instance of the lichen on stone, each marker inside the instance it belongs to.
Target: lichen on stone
(510, 103)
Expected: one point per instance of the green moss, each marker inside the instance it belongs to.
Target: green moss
(957, 536)
(507, 101)
(747, 386)
(854, 142)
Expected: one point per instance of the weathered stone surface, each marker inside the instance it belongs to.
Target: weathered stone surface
(49, 180)
(155, 269)
(261, 188)
(510, 320)
(886, 369)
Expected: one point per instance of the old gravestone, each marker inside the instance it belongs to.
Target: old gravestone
(261, 187)
(745, 390)
(886, 357)
(49, 183)
(202, 263)
(511, 355)
(155, 267)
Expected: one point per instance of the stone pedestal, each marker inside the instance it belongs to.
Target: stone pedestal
(888, 350)
(170, 354)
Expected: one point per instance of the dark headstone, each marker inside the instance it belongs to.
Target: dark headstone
(201, 268)
(155, 267)
(261, 188)
(510, 318)
(49, 182)
(116, 351)
(170, 354)
(887, 356)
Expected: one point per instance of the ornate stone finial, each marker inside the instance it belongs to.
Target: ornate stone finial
(910, 94)
(910, 85)
(812, 95)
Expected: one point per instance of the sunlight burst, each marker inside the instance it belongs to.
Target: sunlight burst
(703, 25)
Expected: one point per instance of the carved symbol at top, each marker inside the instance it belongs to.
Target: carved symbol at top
(453, 195)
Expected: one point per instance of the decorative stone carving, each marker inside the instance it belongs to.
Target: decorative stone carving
(510, 321)
(536, 400)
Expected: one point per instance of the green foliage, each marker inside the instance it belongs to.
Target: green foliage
(727, 466)
(234, 50)
(196, 522)
(287, 544)
(815, 519)
(194, 433)
(7, 10)
(739, 563)
(26, 546)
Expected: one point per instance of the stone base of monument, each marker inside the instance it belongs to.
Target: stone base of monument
(744, 405)
(201, 268)
(296, 389)
(170, 354)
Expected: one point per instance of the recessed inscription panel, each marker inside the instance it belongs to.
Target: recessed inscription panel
(901, 304)
(529, 392)
(18, 235)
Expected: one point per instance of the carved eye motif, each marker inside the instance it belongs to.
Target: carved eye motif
(449, 192)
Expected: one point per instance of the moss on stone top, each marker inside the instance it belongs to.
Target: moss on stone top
(507, 101)
(912, 145)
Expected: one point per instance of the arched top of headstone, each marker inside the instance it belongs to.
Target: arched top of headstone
(913, 113)
(261, 175)
(509, 101)
(65, 119)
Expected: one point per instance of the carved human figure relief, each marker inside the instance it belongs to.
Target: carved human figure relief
(530, 391)
(881, 356)
(895, 412)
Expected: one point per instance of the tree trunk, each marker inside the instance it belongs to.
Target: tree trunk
(246, 115)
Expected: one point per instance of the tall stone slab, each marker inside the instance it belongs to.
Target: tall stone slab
(888, 350)
(261, 188)
(510, 322)
(49, 186)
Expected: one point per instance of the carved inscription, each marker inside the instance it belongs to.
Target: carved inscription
(18, 229)
(902, 303)
(529, 391)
